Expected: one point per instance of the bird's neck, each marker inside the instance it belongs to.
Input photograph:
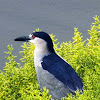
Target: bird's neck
(40, 52)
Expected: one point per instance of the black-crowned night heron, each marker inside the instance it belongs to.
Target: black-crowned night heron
(53, 72)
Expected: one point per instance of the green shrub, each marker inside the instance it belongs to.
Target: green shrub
(19, 82)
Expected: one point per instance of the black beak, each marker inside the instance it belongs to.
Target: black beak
(24, 38)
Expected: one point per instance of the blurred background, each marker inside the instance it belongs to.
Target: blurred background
(21, 17)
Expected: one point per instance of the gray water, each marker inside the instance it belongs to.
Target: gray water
(21, 17)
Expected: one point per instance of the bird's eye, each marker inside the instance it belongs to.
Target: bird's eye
(33, 36)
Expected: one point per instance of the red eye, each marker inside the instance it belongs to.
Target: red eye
(33, 36)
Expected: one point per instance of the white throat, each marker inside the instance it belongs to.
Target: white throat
(40, 51)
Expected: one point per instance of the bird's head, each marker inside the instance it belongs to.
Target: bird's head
(41, 39)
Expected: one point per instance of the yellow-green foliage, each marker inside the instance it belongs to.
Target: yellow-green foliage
(19, 82)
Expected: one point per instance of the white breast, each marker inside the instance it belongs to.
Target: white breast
(45, 79)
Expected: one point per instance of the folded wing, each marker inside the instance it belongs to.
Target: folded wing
(62, 71)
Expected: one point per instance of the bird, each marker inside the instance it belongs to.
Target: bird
(53, 72)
